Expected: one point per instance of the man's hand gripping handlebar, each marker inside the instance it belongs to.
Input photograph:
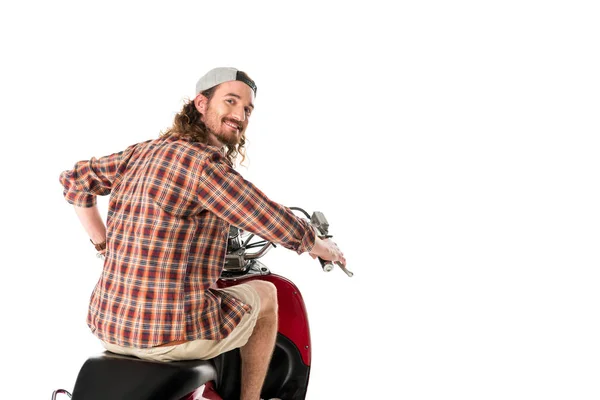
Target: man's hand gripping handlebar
(326, 249)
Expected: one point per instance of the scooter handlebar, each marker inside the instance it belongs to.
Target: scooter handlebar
(326, 265)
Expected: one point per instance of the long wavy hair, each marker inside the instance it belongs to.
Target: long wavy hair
(187, 124)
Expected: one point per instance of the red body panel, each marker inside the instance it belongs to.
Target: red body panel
(293, 321)
(206, 392)
(209, 392)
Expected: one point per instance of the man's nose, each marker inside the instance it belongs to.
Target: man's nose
(239, 114)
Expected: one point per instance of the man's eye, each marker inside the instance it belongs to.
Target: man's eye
(230, 101)
(248, 111)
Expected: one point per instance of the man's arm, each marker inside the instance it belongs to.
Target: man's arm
(91, 178)
(87, 180)
(227, 194)
(92, 223)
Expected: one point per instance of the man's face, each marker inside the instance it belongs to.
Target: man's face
(226, 114)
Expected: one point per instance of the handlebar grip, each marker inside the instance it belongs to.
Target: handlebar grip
(326, 265)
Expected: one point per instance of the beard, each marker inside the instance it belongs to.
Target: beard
(215, 125)
(229, 139)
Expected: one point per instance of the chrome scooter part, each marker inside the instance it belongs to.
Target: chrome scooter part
(347, 272)
(60, 391)
(327, 265)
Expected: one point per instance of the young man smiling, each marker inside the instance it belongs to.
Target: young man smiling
(172, 200)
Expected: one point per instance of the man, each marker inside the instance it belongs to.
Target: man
(171, 202)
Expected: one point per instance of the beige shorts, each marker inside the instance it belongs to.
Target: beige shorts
(203, 349)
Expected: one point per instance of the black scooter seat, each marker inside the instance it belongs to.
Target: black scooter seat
(111, 376)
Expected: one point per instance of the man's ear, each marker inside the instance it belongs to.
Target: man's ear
(201, 102)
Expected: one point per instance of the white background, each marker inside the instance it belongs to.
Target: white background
(452, 145)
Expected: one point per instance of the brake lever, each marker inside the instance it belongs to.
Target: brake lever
(346, 271)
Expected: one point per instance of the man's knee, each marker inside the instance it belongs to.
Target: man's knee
(268, 296)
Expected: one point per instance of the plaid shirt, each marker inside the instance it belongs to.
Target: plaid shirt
(171, 203)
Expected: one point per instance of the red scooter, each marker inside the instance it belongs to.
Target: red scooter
(109, 376)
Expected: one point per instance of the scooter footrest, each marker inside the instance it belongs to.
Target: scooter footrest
(115, 377)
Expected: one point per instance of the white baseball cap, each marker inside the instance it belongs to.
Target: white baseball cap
(219, 75)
